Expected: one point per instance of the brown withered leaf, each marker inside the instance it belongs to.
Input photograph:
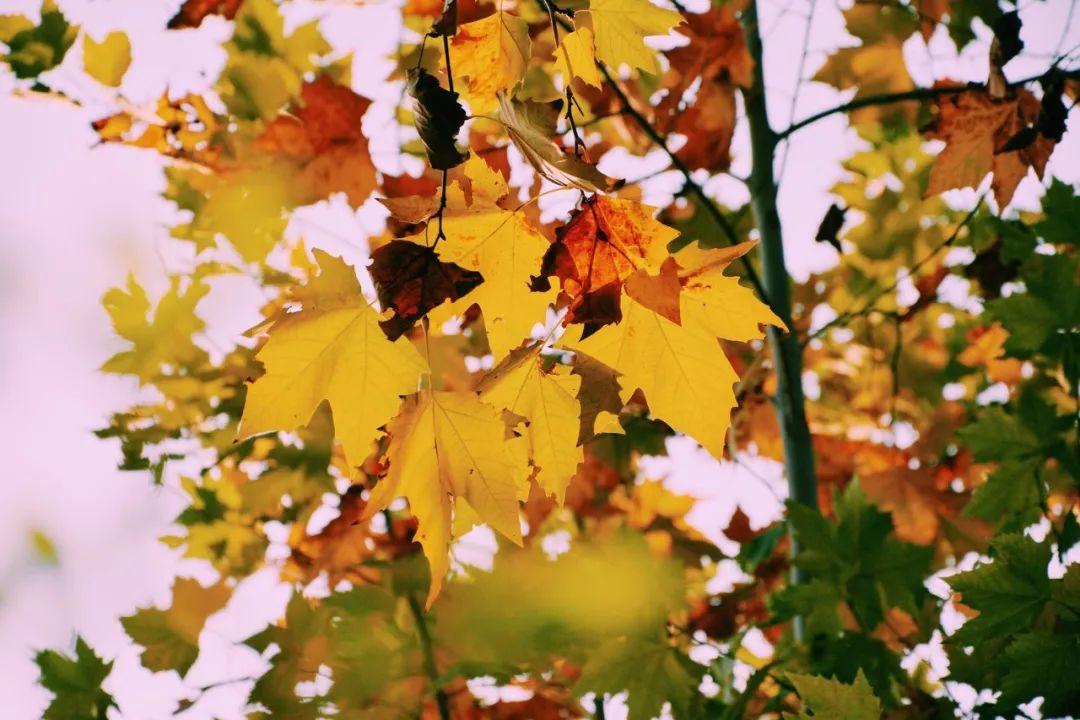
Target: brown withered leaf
(531, 126)
(830, 227)
(410, 200)
(414, 209)
(1005, 46)
(439, 117)
(411, 280)
(193, 12)
(605, 241)
(976, 129)
(738, 527)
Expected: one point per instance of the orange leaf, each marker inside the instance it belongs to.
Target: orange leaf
(976, 129)
(605, 242)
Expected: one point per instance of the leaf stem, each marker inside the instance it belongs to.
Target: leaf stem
(449, 70)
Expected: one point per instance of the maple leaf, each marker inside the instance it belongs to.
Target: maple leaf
(411, 280)
(266, 68)
(621, 26)
(713, 299)
(170, 638)
(686, 378)
(75, 683)
(164, 340)
(1008, 593)
(987, 349)
(339, 550)
(717, 56)
(34, 49)
(651, 672)
(492, 54)
(323, 135)
(192, 13)
(447, 448)
(547, 399)
(830, 698)
(716, 52)
(709, 126)
(976, 129)
(334, 350)
(605, 241)
(108, 60)
(503, 247)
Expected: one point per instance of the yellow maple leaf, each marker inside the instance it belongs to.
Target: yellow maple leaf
(710, 298)
(334, 350)
(548, 401)
(493, 55)
(687, 380)
(503, 247)
(621, 26)
(575, 57)
(448, 447)
(164, 338)
(108, 60)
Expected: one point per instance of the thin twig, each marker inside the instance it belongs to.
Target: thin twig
(907, 96)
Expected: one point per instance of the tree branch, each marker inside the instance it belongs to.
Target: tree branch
(908, 96)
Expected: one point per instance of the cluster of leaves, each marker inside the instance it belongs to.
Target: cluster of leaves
(507, 370)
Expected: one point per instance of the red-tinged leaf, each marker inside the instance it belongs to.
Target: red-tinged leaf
(411, 280)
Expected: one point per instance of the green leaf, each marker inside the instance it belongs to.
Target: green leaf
(870, 570)
(998, 436)
(651, 671)
(832, 699)
(1061, 222)
(1008, 593)
(33, 50)
(75, 683)
(1011, 490)
(1041, 665)
(171, 637)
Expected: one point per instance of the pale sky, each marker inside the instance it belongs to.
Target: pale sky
(74, 220)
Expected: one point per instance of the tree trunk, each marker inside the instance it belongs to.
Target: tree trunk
(786, 350)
